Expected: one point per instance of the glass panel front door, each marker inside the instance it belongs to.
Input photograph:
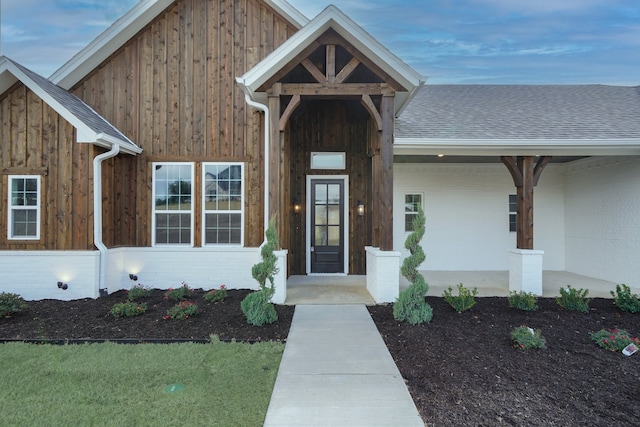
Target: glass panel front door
(327, 237)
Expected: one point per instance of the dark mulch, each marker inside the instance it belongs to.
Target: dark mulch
(90, 318)
(462, 369)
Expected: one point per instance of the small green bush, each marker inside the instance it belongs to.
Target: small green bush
(625, 300)
(463, 301)
(182, 310)
(137, 292)
(11, 304)
(574, 299)
(613, 340)
(215, 295)
(258, 308)
(178, 294)
(128, 309)
(525, 338)
(523, 301)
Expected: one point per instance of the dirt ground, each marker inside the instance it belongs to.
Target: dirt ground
(461, 369)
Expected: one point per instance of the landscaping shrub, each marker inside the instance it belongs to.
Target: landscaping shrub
(128, 309)
(258, 309)
(182, 310)
(574, 299)
(523, 301)
(11, 304)
(625, 300)
(525, 338)
(411, 305)
(215, 295)
(463, 301)
(614, 340)
(257, 306)
(178, 294)
(138, 291)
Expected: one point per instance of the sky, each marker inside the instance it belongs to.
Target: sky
(446, 41)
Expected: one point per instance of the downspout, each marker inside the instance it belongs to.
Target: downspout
(97, 214)
(265, 109)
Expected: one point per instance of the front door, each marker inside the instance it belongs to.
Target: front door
(327, 226)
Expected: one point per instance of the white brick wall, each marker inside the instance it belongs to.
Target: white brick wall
(603, 219)
(467, 215)
(164, 268)
(35, 274)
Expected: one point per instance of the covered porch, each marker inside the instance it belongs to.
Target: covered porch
(352, 289)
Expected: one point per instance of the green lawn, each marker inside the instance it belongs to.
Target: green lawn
(224, 384)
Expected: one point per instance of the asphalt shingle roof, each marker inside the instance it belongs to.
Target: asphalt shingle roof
(77, 107)
(521, 112)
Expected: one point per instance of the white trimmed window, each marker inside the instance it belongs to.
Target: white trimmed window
(223, 203)
(513, 213)
(24, 207)
(411, 204)
(173, 203)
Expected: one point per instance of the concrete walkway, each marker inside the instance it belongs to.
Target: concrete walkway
(337, 371)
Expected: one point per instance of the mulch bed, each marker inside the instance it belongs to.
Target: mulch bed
(461, 369)
(90, 319)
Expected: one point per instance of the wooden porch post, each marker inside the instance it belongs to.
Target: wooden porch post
(525, 176)
(275, 149)
(383, 183)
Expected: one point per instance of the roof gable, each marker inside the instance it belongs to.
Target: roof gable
(90, 126)
(127, 26)
(334, 19)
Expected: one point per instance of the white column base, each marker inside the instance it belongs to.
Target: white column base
(383, 274)
(280, 279)
(525, 271)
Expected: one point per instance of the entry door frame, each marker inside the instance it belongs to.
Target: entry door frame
(345, 219)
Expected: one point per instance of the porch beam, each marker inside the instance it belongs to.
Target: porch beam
(334, 89)
(347, 70)
(293, 104)
(371, 108)
(314, 71)
(331, 63)
(525, 172)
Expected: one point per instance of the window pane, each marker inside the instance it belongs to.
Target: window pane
(321, 236)
(24, 207)
(334, 214)
(334, 235)
(411, 204)
(321, 193)
(173, 228)
(223, 203)
(321, 215)
(333, 195)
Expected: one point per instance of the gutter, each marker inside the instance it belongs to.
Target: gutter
(97, 214)
(265, 109)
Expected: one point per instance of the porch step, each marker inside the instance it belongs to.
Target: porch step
(337, 371)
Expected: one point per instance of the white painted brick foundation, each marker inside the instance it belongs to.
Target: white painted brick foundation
(383, 274)
(525, 272)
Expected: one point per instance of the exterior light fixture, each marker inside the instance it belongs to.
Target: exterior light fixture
(360, 208)
(133, 277)
(440, 155)
(63, 286)
(296, 206)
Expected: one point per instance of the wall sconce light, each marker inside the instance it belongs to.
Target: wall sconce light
(133, 277)
(63, 286)
(360, 208)
(296, 206)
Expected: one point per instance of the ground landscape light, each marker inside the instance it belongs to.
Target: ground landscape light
(133, 277)
(63, 286)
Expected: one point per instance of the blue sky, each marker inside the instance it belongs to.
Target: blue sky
(447, 41)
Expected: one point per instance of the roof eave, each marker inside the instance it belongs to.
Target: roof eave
(332, 18)
(517, 147)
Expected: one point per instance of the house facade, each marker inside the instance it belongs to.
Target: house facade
(165, 146)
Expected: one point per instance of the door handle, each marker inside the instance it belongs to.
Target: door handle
(312, 249)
